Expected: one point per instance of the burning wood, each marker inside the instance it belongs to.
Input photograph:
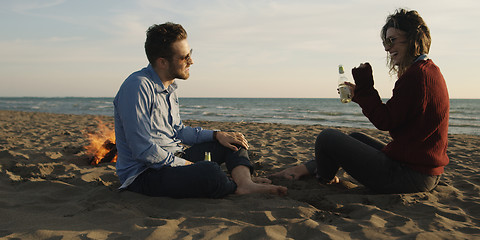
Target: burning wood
(110, 156)
(102, 146)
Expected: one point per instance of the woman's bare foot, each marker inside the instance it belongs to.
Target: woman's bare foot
(292, 173)
(335, 180)
(261, 180)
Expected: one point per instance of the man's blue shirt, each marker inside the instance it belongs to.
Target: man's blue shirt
(148, 128)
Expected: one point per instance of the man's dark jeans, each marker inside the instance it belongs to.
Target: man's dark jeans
(203, 179)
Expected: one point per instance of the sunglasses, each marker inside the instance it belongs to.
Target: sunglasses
(187, 57)
(389, 42)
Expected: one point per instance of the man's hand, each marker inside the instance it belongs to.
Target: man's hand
(232, 140)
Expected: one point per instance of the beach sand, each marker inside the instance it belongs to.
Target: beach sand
(49, 190)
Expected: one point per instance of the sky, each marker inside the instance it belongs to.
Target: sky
(241, 48)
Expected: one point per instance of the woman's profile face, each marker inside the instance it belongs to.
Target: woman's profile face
(396, 45)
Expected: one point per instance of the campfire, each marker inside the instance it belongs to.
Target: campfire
(102, 146)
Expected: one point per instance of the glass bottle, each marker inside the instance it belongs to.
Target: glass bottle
(208, 157)
(343, 89)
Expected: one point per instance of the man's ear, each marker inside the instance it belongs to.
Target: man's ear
(161, 63)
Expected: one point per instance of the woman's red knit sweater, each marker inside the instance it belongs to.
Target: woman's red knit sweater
(416, 116)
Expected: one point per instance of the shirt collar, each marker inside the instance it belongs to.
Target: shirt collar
(421, 57)
(159, 87)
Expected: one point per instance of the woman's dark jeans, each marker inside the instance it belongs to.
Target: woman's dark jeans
(361, 157)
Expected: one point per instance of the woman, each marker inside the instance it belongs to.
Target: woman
(416, 117)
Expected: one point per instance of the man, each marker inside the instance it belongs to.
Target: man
(149, 132)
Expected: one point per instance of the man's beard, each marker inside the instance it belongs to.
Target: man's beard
(179, 73)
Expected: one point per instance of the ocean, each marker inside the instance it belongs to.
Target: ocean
(464, 113)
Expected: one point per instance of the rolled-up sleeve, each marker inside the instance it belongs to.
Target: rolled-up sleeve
(194, 135)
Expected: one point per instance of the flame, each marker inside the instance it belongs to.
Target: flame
(101, 143)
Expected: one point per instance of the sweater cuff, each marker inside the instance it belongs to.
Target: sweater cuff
(362, 92)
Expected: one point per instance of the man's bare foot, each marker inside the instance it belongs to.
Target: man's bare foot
(249, 188)
(245, 185)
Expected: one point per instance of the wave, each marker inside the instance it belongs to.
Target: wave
(329, 112)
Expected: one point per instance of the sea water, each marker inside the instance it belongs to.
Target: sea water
(464, 113)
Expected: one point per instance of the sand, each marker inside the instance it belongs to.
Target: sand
(49, 191)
